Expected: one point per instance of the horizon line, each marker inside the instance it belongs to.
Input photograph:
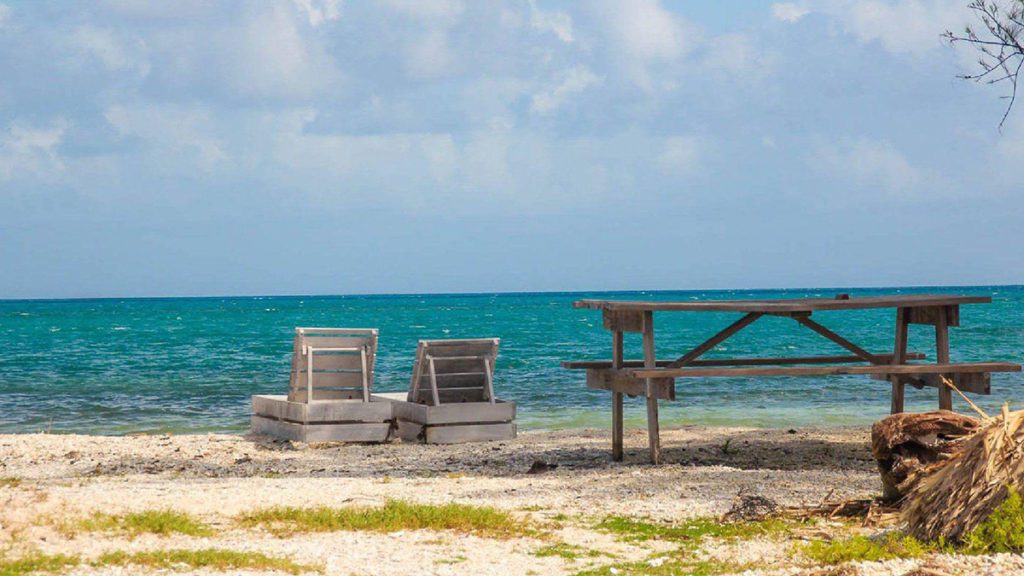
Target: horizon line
(501, 293)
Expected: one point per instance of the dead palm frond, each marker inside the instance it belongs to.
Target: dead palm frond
(951, 497)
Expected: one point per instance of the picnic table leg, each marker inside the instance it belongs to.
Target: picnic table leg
(899, 356)
(653, 432)
(942, 356)
(617, 418)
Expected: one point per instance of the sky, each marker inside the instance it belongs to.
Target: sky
(198, 147)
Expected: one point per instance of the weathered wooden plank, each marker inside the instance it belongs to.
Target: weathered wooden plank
(885, 359)
(829, 334)
(623, 382)
(618, 415)
(824, 370)
(899, 356)
(356, 410)
(468, 412)
(463, 348)
(457, 434)
(461, 364)
(932, 314)
(787, 305)
(335, 361)
(942, 355)
(351, 432)
(974, 382)
(625, 321)
(710, 343)
(326, 394)
(328, 379)
(653, 425)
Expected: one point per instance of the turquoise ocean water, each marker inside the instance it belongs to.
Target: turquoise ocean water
(114, 366)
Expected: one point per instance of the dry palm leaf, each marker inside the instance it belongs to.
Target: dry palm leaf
(951, 497)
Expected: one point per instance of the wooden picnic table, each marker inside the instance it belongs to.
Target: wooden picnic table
(655, 379)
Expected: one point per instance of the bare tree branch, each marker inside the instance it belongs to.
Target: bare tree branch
(999, 41)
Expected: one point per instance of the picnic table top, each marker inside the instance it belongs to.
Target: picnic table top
(770, 306)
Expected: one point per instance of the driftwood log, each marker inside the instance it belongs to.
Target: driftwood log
(907, 442)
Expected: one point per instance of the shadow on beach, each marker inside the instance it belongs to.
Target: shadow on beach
(564, 452)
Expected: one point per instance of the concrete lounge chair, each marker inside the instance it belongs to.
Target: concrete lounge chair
(451, 397)
(330, 391)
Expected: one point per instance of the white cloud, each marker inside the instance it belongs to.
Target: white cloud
(645, 30)
(112, 52)
(576, 80)
(737, 54)
(445, 12)
(30, 150)
(679, 155)
(644, 39)
(171, 128)
(788, 11)
(558, 23)
(430, 55)
(907, 27)
(319, 11)
(5, 13)
(870, 164)
(268, 55)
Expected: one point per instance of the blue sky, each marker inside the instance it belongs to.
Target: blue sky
(325, 147)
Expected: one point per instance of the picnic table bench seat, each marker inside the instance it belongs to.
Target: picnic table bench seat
(632, 378)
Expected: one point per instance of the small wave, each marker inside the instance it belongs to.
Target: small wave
(54, 329)
(120, 328)
(417, 326)
(22, 314)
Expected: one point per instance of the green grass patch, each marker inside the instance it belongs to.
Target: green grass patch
(37, 563)
(160, 522)
(212, 558)
(690, 531)
(394, 516)
(1002, 531)
(10, 482)
(570, 552)
(863, 548)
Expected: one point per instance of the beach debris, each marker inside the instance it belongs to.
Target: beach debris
(750, 508)
(926, 571)
(905, 443)
(872, 512)
(951, 497)
(540, 467)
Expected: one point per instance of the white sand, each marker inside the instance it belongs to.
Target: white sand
(217, 477)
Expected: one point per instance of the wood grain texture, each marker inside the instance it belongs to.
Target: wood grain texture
(786, 305)
(826, 370)
(885, 358)
(321, 432)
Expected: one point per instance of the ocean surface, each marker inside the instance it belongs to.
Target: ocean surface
(189, 365)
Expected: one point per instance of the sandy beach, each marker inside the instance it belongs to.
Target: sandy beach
(50, 481)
